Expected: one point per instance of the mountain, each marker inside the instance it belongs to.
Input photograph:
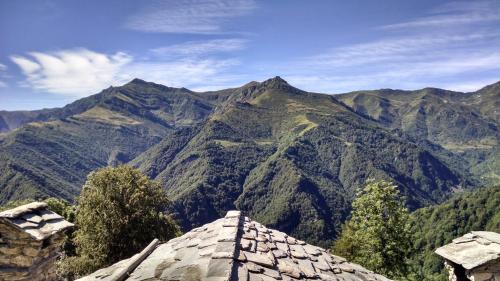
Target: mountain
(435, 226)
(466, 124)
(10, 120)
(292, 159)
(289, 158)
(53, 157)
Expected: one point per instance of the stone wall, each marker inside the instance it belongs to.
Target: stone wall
(24, 258)
(487, 272)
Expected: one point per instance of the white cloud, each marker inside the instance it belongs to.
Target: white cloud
(3, 69)
(455, 13)
(443, 52)
(82, 72)
(470, 85)
(420, 47)
(200, 74)
(188, 16)
(77, 72)
(197, 48)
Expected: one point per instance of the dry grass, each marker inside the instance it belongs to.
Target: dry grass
(226, 143)
(104, 115)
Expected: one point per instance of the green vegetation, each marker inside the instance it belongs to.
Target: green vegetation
(464, 123)
(119, 212)
(316, 153)
(52, 156)
(289, 158)
(436, 226)
(377, 235)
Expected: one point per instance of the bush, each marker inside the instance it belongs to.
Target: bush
(119, 212)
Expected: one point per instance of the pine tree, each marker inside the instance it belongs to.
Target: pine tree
(377, 236)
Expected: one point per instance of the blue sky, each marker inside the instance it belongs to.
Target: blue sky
(54, 52)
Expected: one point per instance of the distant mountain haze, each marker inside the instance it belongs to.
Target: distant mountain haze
(291, 159)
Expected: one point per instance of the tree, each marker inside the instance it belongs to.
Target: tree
(377, 236)
(119, 212)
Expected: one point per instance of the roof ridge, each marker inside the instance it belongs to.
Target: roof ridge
(226, 251)
(135, 261)
(23, 209)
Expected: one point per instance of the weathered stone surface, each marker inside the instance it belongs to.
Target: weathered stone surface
(255, 253)
(31, 239)
(477, 253)
(260, 259)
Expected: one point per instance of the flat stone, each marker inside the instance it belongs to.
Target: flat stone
(233, 214)
(252, 267)
(222, 255)
(246, 244)
(242, 257)
(262, 247)
(323, 265)
(260, 259)
(261, 238)
(280, 254)
(307, 268)
(298, 255)
(219, 268)
(346, 268)
(255, 277)
(272, 273)
(289, 268)
(242, 273)
(336, 270)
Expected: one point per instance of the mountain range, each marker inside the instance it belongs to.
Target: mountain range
(291, 159)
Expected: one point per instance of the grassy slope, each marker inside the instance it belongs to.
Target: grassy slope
(290, 159)
(52, 158)
(464, 123)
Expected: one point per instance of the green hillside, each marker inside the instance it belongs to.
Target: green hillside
(466, 124)
(437, 225)
(290, 159)
(53, 157)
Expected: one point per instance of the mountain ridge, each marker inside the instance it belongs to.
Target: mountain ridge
(292, 159)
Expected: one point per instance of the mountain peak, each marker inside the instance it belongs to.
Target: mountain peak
(276, 79)
(276, 83)
(137, 81)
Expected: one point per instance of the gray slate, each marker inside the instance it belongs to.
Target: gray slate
(237, 248)
(36, 220)
(473, 249)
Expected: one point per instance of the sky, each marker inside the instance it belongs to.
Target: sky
(54, 52)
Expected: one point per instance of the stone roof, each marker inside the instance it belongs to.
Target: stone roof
(473, 249)
(35, 219)
(233, 248)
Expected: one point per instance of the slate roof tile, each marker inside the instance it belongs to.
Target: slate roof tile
(36, 220)
(473, 249)
(237, 248)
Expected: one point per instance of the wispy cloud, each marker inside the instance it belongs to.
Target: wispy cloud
(434, 54)
(421, 47)
(189, 16)
(3, 69)
(455, 13)
(198, 48)
(81, 72)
